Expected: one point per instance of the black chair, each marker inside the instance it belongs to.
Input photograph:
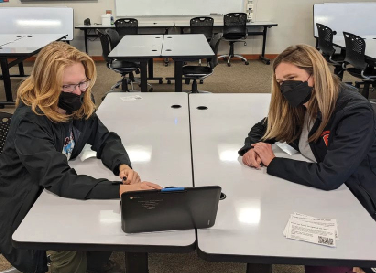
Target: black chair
(234, 30)
(201, 72)
(5, 119)
(355, 56)
(202, 25)
(123, 67)
(126, 26)
(325, 45)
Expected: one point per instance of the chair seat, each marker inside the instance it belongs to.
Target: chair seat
(233, 36)
(357, 73)
(123, 66)
(196, 71)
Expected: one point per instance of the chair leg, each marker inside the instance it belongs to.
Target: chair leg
(365, 91)
(124, 85)
(194, 86)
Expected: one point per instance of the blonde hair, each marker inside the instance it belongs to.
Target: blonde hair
(42, 89)
(284, 121)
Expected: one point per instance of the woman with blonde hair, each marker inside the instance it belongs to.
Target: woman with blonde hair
(329, 122)
(54, 119)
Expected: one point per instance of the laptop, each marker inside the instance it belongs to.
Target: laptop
(169, 209)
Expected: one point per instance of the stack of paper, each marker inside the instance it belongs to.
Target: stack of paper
(312, 229)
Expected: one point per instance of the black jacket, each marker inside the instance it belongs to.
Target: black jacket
(345, 151)
(32, 159)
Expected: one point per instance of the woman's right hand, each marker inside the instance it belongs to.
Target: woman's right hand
(251, 158)
(139, 187)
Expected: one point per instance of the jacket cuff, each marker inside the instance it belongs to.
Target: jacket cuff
(116, 170)
(274, 166)
(244, 150)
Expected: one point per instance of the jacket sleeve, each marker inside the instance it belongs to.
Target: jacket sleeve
(108, 146)
(254, 136)
(352, 139)
(49, 168)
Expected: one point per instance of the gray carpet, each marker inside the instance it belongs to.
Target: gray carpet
(239, 78)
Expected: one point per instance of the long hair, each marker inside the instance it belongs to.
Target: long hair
(285, 122)
(42, 89)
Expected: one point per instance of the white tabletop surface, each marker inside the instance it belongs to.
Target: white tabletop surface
(26, 43)
(157, 139)
(370, 44)
(186, 45)
(138, 46)
(251, 219)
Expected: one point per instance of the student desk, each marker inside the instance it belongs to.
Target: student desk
(20, 47)
(179, 47)
(251, 219)
(144, 24)
(157, 139)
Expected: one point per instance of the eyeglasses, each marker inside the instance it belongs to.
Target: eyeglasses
(71, 87)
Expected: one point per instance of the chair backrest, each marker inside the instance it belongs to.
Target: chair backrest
(355, 50)
(5, 119)
(235, 23)
(214, 44)
(325, 40)
(105, 42)
(126, 26)
(114, 37)
(202, 25)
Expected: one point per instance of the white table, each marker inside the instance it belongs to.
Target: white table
(20, 47)
(157, 139)
(251, 219)
(179, 47)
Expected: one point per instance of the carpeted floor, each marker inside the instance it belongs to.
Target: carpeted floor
(239, 78)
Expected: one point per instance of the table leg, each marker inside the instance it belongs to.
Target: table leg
(21, 69)
(178, 74)
(136, 262)
(259, 268)
(144, 75)
(85, 33)
(262, 57)
(6, 79)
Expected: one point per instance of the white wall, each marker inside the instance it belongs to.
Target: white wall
(294, 18)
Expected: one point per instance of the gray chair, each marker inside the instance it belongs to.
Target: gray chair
(5, 119)
(201, 72)
(234, 30)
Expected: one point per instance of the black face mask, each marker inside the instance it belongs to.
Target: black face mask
(296, 92)
(70, 102)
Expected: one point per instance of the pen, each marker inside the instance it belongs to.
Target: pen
(119, 182)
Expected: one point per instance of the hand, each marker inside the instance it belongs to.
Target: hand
(131, 175)
(139, 187)
(357, 270)
(252, 159)
(265, 152)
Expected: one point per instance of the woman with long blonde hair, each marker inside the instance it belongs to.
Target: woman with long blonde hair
(329, 122)
(55, 118)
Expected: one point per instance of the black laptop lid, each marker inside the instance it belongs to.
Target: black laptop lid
(169, 209)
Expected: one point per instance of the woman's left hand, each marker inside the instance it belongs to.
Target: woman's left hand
(132, 177)
(265, 152)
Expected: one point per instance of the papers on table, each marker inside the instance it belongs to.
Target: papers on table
(311, 229)
(131, 98)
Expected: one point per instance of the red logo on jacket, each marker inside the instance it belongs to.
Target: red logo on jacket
(325, 136)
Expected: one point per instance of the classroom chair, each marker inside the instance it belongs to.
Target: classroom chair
(202, 25)
(201, 72)
(234, 30)
(5, 119)
(126, 26)
(123, 67)
(355, 56)
(326, 46)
